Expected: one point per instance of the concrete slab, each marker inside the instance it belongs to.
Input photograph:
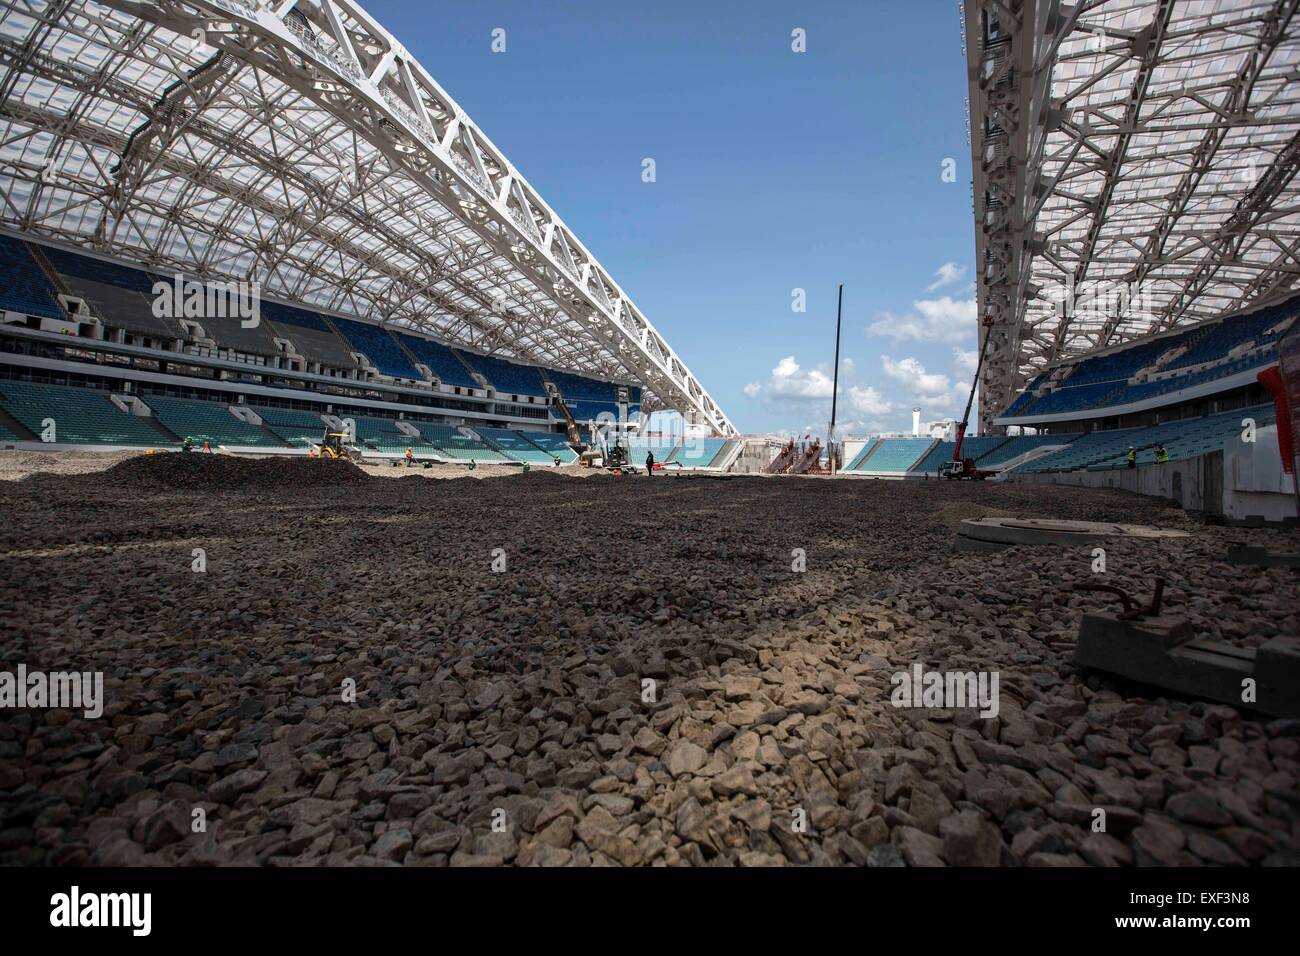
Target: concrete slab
(1047, 531)
(1262, 558)
(1161, 651)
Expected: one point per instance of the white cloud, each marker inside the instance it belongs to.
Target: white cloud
(931, 390)
(912, 375)
(946, 274)
(944, 319)
(752, 389)
(868, 401)
(791, 381)
(964, 362)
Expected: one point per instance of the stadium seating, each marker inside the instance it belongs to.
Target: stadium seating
(698, 452)
(229, 332)
(1185, 438)
(578, 389)
(1122, 365)
(509, 377)
(895, 455)
(207, 421)
(24, 287)
(309, 333)
(383, 435)
(451, 443)
(380, 347)
(1104, 381)
(120, 296)
(514, 446)
(972, 447)
(293, 426)
(592, 411)
(1217, 340)
(1012, 448)
(73, 266)
(82, 416)
(1072, 398)
(442, 361)
(551, 443)
(662, 448)
(856, 463)
(1025, 397)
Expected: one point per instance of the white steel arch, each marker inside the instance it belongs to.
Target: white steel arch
(299, 143)
(1134, 170)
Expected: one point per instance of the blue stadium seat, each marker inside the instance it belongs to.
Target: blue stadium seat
(509, 377)
(895, 455)
(24, 287)
(380, 347)
(441, 359)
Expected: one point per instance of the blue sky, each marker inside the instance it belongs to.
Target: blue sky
(775, 171)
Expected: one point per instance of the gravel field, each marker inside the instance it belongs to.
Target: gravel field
(505, 716)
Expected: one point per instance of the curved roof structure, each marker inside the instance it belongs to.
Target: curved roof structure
(299, 144)
(1134, 170)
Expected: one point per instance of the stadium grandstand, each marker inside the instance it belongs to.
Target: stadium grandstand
(155, 188)
(1112, 319)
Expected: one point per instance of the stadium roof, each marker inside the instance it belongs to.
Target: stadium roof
(299, 144)
(1134, 170)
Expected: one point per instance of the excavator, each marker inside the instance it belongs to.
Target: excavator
(963, 469)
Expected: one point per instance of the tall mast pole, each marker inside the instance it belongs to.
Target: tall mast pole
(835, 387)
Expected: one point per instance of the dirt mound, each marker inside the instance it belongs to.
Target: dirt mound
(201, 472)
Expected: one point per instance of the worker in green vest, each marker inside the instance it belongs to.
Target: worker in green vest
(1162, 454)
(1132, 457)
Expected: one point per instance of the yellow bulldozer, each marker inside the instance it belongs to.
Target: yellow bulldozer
(334, 445)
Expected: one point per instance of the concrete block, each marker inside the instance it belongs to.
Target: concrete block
(1161, 651)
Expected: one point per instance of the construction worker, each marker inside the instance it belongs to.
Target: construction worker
(1162, 454)
(188, 444)
(1132, 457)
(649, 463)
(471, 464)
(527, 468)
(410, 457)
(557, 460)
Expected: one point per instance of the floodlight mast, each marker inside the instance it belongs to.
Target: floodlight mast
(835, 380)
